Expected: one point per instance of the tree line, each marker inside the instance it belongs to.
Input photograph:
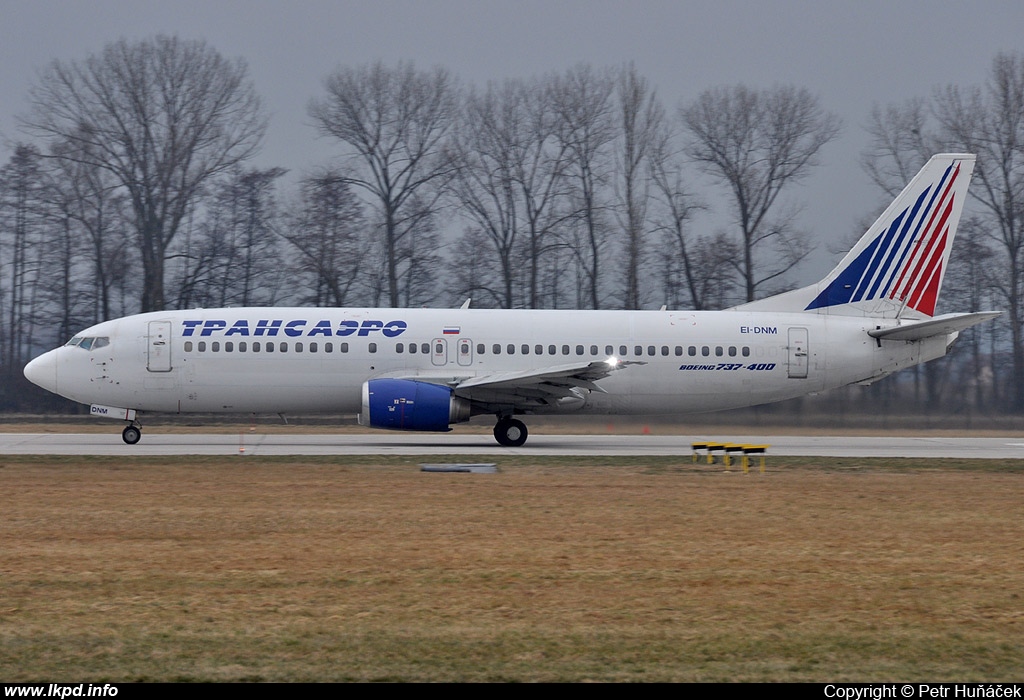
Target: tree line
(133, 191)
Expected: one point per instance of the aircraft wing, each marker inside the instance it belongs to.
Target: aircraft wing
(540, 385)
(940, 325)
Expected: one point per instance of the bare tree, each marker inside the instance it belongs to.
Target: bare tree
(327, 231)
(164, 117)
(582, 100)
(510, 171)
(92, 200)
(395, 123)
(640, 121)
(900, 144)
(684, 259)
(756, 143)
(989, 121)
(25, 214)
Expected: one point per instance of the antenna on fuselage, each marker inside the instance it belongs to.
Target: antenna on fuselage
(465, 304)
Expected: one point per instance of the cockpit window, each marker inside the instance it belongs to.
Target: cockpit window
(88, 343)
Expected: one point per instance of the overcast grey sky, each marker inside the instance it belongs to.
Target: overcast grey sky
(852, 54)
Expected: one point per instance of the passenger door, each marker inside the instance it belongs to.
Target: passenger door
(798, 353)
(159, 346)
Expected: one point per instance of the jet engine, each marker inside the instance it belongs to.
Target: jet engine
(406, 404)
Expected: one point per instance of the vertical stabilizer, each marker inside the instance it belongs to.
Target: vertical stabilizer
(897, 267)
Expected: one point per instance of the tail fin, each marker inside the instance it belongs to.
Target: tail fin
(896, 268)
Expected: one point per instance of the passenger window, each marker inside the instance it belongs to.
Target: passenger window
(313, 347)
(664, 350)
(651, 350)
(511, 349)
(188, 346)
(342, 347)
(424, 348)
(638, 350)
(202, 345)
(399, 348)
(215, 346)
(593, 349)
(298, 347)
(579, 349)
(679, 351)
(241, 346)
(732, 351)
(609, 350)
(268, 348)
(255, 346)
(328, 347)
(284, 346)
(692, 351)
(480, 348)
(623, 350)
(412, 348)
(705, 351)
(565, 349)
(525, 349)
(496, 349)
(373, 347)
(746, 351)
(538, 349)
(229, 346)
(718, 351)
(551, 349)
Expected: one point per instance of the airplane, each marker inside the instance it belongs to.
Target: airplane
(427, 369)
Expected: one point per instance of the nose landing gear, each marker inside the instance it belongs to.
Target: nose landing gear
(132, 434)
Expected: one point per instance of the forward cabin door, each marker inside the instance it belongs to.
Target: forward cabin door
(159, 345)
(798, 353)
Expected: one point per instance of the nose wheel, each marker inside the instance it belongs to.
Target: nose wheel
(510, 432)
(132, 434)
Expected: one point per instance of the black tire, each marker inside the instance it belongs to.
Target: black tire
(131, 435)
(510, 432)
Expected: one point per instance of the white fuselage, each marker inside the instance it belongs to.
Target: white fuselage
(285, 360)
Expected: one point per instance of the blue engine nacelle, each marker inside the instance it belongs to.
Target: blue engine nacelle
(405, 404)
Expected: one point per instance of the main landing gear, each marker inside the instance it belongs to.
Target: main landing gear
(132, 434)
(510, 432)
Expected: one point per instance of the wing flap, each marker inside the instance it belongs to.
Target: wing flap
(555, 382)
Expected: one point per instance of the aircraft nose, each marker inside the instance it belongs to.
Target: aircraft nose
(42, 371)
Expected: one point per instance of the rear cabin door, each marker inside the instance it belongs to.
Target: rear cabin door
(159, 346)
(798, 353)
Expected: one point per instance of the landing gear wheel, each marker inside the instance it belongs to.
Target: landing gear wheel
(510, 432)
(131, 435)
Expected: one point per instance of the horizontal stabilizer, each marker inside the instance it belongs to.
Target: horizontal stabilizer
(940, 325)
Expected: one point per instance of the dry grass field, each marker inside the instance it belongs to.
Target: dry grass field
(335, 569)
